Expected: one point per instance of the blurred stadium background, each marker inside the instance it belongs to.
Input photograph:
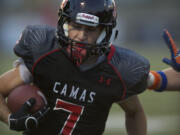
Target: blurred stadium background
(140, 25)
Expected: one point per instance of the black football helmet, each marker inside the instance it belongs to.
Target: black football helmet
(91, 13)
(87, 12)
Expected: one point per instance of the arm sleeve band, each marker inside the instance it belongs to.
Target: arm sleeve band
(154, 80)
(163, 82)
(157, 81)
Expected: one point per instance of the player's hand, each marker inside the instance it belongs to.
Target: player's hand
(175, 53)
(23, 119)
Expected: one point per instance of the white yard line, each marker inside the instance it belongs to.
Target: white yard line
(155, 124)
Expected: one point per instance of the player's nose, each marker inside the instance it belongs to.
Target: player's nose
(82, 35)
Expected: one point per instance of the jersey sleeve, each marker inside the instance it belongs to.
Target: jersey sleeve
(33, 43)
(133, 70)
(26, 76)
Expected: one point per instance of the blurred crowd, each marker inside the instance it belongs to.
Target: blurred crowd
(139, 21)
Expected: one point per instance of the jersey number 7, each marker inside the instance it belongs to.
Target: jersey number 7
(75, 111)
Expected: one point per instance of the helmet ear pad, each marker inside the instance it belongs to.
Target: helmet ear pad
(62, 29)
(65, 28)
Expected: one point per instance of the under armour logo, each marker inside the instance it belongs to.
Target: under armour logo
(108, 81)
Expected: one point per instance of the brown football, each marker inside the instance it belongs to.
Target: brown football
(21, 94)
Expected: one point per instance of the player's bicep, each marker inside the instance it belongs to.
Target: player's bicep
(131, 105)
(10, 80)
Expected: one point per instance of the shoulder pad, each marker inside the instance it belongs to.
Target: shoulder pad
(132, 67)
(34, 42)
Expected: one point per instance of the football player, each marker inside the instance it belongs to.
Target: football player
(80, 72)
(167, 79)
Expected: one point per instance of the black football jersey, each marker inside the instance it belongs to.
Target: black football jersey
(80, 100)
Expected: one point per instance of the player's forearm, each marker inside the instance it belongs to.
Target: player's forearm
(136, 123)
(4, 111)
(173, 78)
(9, 81)
(167, 79)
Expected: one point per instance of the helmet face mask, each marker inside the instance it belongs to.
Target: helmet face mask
(92, 13)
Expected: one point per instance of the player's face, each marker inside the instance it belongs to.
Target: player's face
(83, 33)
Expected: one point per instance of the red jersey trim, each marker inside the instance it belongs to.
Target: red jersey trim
(112, 51)
(42, 57)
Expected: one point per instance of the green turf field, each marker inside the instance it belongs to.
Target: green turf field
(162, 109)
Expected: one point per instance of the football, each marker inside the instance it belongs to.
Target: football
(21, 94)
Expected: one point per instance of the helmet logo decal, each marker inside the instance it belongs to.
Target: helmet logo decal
(87, 19)
(63, 4)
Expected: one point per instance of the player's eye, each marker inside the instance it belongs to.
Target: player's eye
(75, 26)
(90, 28)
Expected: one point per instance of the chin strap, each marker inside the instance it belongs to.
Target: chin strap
(77, 57)
(76, 54)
